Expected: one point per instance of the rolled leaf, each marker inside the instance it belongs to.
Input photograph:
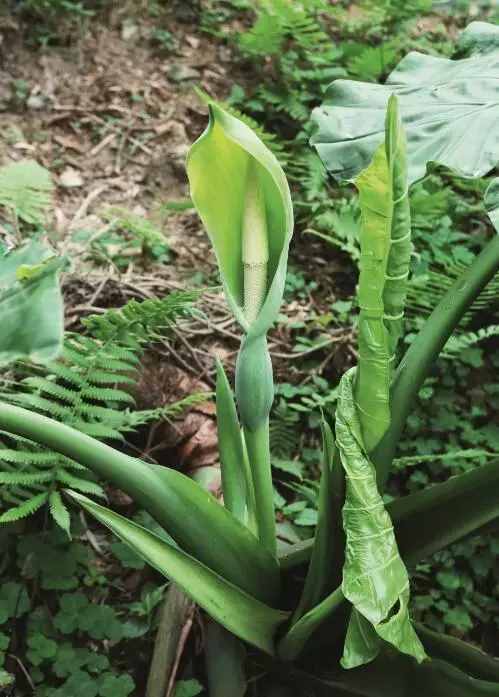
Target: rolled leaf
(229, 170)
(425, 522)
(385, 249)
(240, 613)
(375, 579)
(31, 306)
(450, 115)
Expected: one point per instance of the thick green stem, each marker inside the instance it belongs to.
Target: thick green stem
(258, 447)
(416, 364)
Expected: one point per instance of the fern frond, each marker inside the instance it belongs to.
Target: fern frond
(44, 385)
(26, 509)
(460, 342)
(21, 479)
(80, 484)
(284, 436)
(83, 389)
(26, 457)
(40, 404)
(141, 321)
(98, 430)
(59, 512)
(424, 292)
(106, 394)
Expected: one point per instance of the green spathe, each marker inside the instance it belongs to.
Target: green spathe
(226, 161)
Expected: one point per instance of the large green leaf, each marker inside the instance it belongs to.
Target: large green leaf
(450, 110)
(467, 658)
(396, 675)
(31, 306)
(375, 579)
(430, 520)
(240, 613)
(492, 202)
(385, 249)
(194, 518)
(217, 168)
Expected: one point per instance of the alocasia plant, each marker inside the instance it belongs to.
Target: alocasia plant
(346, 629)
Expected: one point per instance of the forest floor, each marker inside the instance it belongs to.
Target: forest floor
(111, 112)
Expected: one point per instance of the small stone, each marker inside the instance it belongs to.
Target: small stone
(70, 178)
(179, 73)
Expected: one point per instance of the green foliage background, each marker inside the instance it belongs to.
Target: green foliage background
(55, 600)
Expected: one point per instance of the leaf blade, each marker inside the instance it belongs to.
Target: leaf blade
(240, 613)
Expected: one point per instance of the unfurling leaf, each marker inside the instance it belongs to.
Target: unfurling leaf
(385, 249)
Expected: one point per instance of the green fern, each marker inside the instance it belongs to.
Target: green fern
(424, 292)
(460, 342)
(373, 61)
(139, 227)
(279, 19)
(26, 190)
(284, 434)
(139, 322)
(88, 389)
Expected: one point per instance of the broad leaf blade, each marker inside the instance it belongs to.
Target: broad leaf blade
(450, 110)
(31, 306)
(431, 520)
(460, 654)
(397, 675)
(26, 188)
(241, 614)
(492, 202)
(213, 535)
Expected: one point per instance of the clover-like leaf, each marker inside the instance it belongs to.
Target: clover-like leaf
(449, 108)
